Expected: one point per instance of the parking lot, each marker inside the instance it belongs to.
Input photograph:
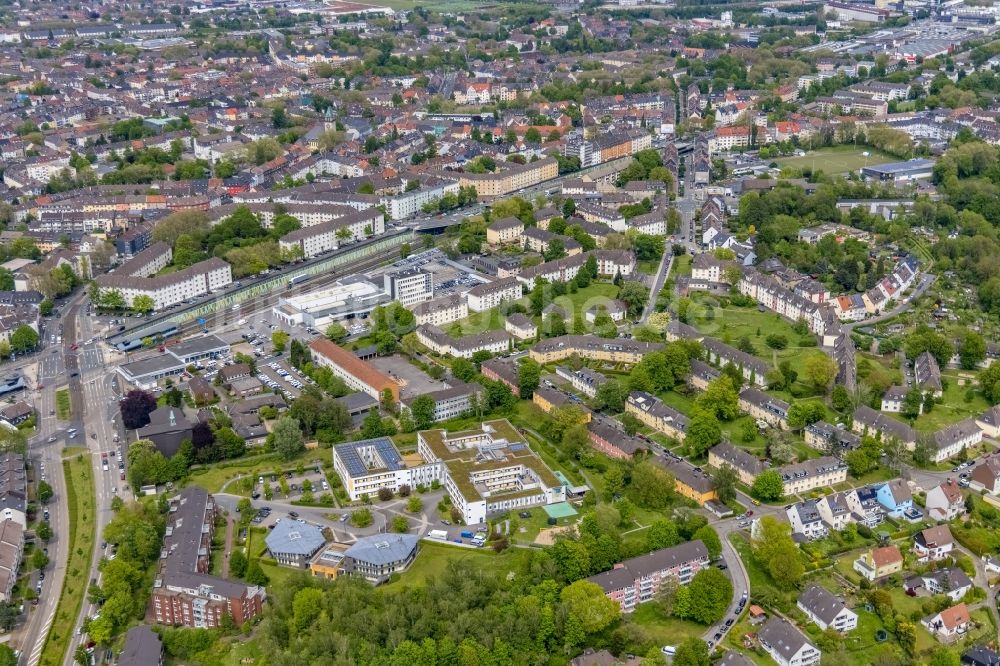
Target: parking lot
(293, 482)
(279, 375)
(412, 380)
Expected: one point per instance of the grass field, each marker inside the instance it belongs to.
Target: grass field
(953, 408)
(493, 320)
(661, 629)
(63, 410)
(214, 478)
(434, 558)
(837, 159)
(682, 265)
(80, 499)
(731, 323)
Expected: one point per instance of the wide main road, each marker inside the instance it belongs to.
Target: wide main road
(54, 370)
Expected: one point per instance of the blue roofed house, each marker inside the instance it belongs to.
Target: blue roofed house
(377, 557)
(897, 499)
(293, 543)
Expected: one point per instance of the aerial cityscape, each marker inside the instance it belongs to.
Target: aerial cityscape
(532, 332)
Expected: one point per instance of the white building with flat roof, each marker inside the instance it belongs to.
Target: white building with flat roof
(350, 297)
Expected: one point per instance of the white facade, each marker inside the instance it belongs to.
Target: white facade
(325, 237)
(401, 206)
(490, 295)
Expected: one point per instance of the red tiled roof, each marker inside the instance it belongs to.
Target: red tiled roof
(354, 366)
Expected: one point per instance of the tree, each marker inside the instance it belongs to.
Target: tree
(692, 652)
(720, 398)
(820, 370)
(238, 563)
(712, 590)
(840, 398)
(287, 437)
(703, 431)
(279, 340)
(422, 411)
(136, 407)
(146, 465)
(662, 534)
(336, 333)
(588, 608)
(39, 560)
(143, 303)
(414, 504)
(802, 414)
(923, 339)
(23, 339)
(463, 369)
(913, 403)
(528, 376)
(776, 341)
(400, 524)
(971, 350)
(710, 538)
(611, 396)
(652, 486)
(773, 548)
(44, 492)
(361, 517)
(634, 295)
(768, 486)
(255, 574)
(724, 479)
(989, 381)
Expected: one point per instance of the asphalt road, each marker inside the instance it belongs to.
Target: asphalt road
(52, 371)
(926, 280)
(97, 390)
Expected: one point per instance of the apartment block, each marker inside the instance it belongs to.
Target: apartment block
(440, 342)
(492, 294)
(184, 594)
(326, 236)
(638, 580)
(441, 311)
(654, 413)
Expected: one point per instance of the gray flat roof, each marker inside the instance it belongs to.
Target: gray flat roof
(201, 345)
(151, 366)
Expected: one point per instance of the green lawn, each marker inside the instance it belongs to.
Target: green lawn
(63, 409)
(663, 630)
(493, 319)
(80, 499)
(214, 477)
(682, 265)
(953, 407)
(433, 559)
(648, 266)
(837, 159)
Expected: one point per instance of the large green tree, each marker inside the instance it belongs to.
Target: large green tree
(768, 486)
(287, 438)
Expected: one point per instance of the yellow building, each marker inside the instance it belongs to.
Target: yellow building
(589, 347)
(693, 485)
(548, 399)
(327, 562)
(658, 416)
(510, 178)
